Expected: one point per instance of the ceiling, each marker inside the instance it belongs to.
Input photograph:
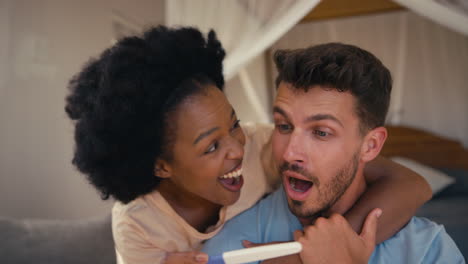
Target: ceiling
(342, 8)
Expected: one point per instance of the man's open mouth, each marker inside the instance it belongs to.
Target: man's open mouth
(299, 185)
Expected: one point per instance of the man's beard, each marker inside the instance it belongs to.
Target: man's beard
(329, 194)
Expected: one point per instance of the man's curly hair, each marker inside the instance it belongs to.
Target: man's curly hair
(121, 101)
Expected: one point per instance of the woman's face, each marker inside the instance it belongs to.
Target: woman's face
(207, 151)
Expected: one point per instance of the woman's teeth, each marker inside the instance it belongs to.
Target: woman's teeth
(233, 174)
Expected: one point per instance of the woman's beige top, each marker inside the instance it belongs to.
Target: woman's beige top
(146, 228)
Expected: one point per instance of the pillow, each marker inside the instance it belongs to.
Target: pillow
(436, 179)
(460, 188)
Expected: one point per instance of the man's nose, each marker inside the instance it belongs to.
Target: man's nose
(294, 151)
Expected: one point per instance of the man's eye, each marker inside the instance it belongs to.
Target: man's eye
(283, 128)
(320, 133)
(212, 148)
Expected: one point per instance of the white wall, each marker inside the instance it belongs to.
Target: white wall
(4, 42)
(42, 44)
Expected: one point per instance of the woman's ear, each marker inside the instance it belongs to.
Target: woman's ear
(373, 143)
(162, 169)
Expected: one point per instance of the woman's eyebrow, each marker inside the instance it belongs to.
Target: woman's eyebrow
(205, 134)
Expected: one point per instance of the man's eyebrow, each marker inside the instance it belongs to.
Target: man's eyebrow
(207, 133)
(319, 117)
(277, 109)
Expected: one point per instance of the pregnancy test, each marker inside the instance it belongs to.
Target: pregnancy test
(256, 253)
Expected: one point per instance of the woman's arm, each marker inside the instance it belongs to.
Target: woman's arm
(397, 190)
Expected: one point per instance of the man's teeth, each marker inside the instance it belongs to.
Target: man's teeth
(292, 183)
(233, 174)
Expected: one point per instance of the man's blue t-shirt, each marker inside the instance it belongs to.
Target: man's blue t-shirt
(420, 241)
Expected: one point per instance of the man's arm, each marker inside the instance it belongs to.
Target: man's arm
(397, 190)
(242, 227)
(268, 221)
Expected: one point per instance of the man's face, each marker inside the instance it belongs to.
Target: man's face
(316, 143)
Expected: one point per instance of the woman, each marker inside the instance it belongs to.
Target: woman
(155, 132)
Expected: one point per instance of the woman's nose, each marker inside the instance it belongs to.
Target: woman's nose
(236, 149)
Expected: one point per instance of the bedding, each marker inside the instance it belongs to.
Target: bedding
(450, 208)
(449, 204)
(437, 179)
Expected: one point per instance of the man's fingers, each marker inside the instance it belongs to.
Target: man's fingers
(249, 244)
(298, 234)
(191, 257)
(370, 226)
(201, 257)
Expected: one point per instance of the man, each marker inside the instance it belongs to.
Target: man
(329, 114)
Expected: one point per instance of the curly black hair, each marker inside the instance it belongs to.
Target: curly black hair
(344, 68)
(121, 101)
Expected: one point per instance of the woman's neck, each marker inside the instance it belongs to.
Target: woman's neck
(196, 211)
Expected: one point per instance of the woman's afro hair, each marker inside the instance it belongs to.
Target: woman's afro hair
(121, 99)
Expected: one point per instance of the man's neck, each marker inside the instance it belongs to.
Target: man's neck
(351, 195)
(347, 200)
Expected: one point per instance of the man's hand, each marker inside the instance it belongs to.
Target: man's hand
(190, 257)
(333, 240)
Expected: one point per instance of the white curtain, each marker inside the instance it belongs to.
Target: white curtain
(4, 44)
(450, 13)
(429, 64)
(246, 28)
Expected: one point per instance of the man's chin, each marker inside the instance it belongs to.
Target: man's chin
(306, 216)
(297, 209)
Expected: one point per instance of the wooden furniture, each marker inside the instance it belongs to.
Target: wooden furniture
(424, 147)
(344, 8)
(449, 206)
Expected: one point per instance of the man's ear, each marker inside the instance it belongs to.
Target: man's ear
(162, 169)
(373, 143)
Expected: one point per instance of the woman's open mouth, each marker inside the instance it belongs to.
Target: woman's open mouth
(233, 180)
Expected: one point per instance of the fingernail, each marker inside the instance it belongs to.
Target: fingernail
(246, 243)
(201, 258)
(378, 213)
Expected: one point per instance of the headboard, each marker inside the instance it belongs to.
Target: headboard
(425, 147)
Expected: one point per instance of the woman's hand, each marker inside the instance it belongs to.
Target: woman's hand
(189, 257)
(332, 240)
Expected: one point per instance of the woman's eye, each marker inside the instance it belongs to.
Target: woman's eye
(212, 148)
(283, 128)
(236, 124)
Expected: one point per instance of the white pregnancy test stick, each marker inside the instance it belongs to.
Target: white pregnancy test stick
(256, 253)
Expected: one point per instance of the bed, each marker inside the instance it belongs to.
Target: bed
(449, 160)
